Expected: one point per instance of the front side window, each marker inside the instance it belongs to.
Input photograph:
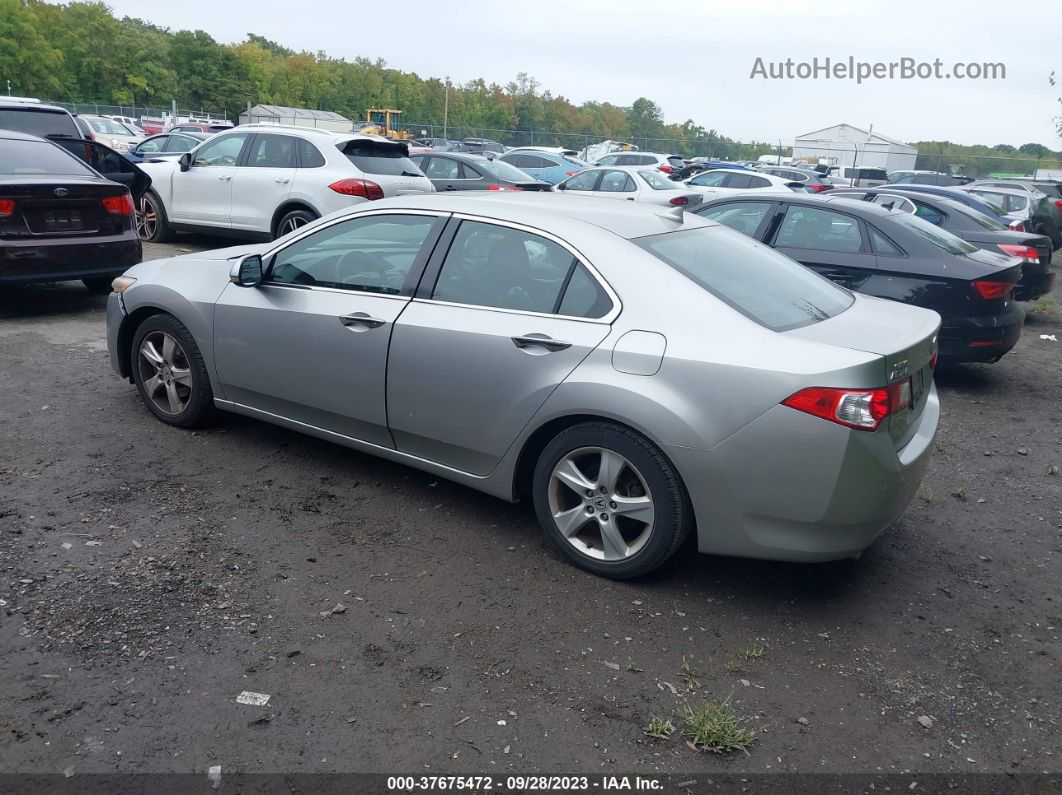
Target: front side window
(373, 254)
(505, 268)
(745, 217)
(584, 180)
(617, 182)
(765, 286)
(709, 179)
(272, 151)
(821, 230)
(224, 151)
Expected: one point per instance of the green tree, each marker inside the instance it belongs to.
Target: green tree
(28, 59)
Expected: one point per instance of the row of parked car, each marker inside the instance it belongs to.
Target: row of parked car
(946, 248)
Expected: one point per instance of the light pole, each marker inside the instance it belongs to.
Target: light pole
(446, 106)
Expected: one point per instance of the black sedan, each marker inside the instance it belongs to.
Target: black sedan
(62, 219)
(1034, 251)
(164, 144)
(891, 254)
(458, 171)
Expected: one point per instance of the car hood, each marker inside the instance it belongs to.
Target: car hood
(229, 252)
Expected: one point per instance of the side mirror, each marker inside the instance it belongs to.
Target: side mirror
(561, 186)
(247, 271)
(185, 161)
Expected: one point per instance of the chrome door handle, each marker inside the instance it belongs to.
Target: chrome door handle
(360, 319)
(282, 180)
(225, 178)
(541, 342)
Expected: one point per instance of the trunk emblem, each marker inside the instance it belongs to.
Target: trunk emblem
(60, 192)
(899, 370)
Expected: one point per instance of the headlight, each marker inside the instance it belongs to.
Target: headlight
(122, 283)
(119, 145)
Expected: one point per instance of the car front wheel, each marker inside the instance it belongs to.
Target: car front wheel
(169, 372)
(610, 500)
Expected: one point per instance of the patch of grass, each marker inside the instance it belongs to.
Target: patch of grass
(713, 726)
(754, 653)
(691, 677)
(660, 728)
(1045, 305)
(925, 494)
(960, 493)
(734, 666)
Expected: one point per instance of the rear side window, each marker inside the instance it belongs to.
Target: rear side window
(504, 268)
(882, 245)
(374, 157)
(758, 282)
(934, 235)
(820, 230)
(617, 182)
(30, 158)
(745, 217)
(41, 123)
(759, 182)
(309, 155)
(272, 151)
(584, 296)
(656, 179)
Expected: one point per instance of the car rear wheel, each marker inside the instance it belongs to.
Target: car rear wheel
(151, 223)
(292, 221)
(610, 500)
(169, 372)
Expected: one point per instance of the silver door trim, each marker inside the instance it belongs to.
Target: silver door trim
(337, 290)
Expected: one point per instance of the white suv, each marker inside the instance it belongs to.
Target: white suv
(261, 181)
(666, 163)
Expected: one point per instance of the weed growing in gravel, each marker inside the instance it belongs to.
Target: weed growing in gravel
(925, 494)
(715, 727)
(690, 676)
(754, 653)
(660, 728)
(959, 494)
(1044, 306)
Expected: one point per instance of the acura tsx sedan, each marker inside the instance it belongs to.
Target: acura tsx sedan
(639, 373)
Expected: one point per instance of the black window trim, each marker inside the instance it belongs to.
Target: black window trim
(431, 274)
(245, 153)
(774, 211)
(416, 270)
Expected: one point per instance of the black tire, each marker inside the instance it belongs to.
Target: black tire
(99, 285)
(198, 397)
(150, 208)
(673, 516)
(291, 221)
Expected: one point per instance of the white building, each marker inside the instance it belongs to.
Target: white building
(846, 145)
(299, 117)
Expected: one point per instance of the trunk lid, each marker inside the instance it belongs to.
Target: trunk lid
(904, 336)
(61, 207)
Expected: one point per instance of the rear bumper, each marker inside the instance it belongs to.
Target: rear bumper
(980, 338)
(1035, 282)
(24, 261)
(825, 493)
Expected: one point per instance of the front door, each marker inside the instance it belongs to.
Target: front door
(510, 315)
(262, 181)
(310, 344)
(203, 193)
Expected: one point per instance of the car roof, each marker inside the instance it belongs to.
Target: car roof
(32, 106)
(811, 200)
(14, 135)
(549, 211)
(997, 189)
(473, 156)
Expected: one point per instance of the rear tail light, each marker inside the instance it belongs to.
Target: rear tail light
(666, 169)
(861, 409)
(1018, 226)
(818, 187)
(1027, 253)
(570, 173)
(365, 188)
(7, 208)
(680, 201)
(118, 205)
(1058, 203)
(987, 289)
(501, 187)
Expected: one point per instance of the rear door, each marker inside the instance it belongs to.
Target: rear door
(262, 180)
(616, 184)
(498, 323)
(203, 193)
(833, 244)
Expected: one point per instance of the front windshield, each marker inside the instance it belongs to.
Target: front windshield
(108, 127)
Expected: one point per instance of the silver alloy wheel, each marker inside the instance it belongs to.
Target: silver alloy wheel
(165, 372)
(600, 504)
(147, 221)
(291, 224)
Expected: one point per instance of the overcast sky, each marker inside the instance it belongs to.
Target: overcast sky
(694, 57)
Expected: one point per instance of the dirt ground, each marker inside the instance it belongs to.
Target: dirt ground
(403, 624)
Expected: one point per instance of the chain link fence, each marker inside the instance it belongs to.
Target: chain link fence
(134, 111)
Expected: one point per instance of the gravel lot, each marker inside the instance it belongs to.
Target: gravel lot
(401, 623)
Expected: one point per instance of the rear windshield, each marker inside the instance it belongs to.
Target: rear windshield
(676, 162)
(933, 234)
(1052, 189)
(41, 123)
(871, 173)
(575, 161)
(765, 286)
(980, 219)
(373, 157)
(503, 170)
(31, 158)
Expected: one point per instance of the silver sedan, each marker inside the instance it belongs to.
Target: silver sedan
(638, 373)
